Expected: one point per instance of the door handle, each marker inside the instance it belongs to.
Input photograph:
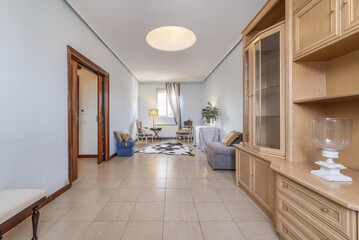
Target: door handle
(76, 119)
(100, 118)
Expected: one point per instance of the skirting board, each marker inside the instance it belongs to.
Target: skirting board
(87, 156)
(112, 156)
(27, 214)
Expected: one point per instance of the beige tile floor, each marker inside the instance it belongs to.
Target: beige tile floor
(150, 197)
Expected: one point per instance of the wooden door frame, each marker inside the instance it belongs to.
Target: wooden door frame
(73, 55)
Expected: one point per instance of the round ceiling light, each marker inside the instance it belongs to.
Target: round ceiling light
(171, 38)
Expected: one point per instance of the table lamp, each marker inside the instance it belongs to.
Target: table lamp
(153, 113)
(332, 135)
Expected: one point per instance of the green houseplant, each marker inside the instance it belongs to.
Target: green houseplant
(210, 113)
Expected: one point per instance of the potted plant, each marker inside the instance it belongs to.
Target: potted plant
(210, 114)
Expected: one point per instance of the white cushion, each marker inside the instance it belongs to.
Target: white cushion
(13, 201)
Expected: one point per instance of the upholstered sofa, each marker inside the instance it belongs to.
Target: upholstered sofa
(219, 156)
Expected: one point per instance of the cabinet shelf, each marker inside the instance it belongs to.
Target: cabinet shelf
(330, 98)
(269, 90)
(270, 116)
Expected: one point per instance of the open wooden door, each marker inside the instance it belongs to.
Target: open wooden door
(100, 120)
(74, 119)
(74, 59)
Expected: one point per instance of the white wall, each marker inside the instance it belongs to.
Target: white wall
(33, 93)
(191, 100)
(87, 112)
(224, 88)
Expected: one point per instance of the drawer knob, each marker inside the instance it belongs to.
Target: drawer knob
(285, 230)
(332, 10)
(345, 2)
(285, 208)
(325, 210)
(286, 186)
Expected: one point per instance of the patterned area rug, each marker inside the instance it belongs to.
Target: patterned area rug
(167, 148)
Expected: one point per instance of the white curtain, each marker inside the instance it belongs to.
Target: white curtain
(173, 93)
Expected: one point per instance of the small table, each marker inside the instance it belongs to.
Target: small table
(156, 131)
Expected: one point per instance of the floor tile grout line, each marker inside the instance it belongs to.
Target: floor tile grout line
(164, 212)
(157, 165)
(235, 223)
(199, 222)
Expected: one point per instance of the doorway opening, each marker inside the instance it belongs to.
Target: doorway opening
(78, 64)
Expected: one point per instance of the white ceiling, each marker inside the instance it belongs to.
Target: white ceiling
(123, 26)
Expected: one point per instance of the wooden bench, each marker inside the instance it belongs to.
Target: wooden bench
(14, 203)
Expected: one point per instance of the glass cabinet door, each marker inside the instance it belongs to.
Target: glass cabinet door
(267, 92)
(246, 96)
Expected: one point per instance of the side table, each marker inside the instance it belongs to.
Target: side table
(156, 131)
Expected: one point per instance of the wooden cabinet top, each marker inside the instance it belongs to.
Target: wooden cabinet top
(343, 193)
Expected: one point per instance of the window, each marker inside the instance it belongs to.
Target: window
(163, 105)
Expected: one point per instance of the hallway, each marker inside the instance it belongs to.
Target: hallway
(150, 197)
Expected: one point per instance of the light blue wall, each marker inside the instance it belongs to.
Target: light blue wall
(192, 95)
(224, 88)
(191, 100)
(33, 93)
(147, 100)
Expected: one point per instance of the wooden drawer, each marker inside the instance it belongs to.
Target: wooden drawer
(287, 231)
(304, 222)
(334, 215)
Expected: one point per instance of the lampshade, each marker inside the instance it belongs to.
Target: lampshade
(153, 112)
(171, 38)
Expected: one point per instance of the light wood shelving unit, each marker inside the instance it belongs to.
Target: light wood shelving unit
(319, 78)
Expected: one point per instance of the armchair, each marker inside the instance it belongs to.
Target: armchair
(142, 132)
(186, 131)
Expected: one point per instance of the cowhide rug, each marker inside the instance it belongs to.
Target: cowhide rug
(167, 148)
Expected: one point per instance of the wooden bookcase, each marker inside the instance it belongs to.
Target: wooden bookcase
(319, 78)
(325, 85)
(264, 91)
(264, 85)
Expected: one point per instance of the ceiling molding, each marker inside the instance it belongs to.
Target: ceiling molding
(122, 32)
(162, 82)
(223, 59)
(98, 33)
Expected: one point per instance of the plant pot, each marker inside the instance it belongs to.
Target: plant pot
(211, 123)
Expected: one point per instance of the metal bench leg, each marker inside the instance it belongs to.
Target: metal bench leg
(35, 221)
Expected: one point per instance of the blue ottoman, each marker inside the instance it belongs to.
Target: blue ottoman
(125, 151)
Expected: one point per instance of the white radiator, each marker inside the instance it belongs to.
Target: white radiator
(168, 130)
